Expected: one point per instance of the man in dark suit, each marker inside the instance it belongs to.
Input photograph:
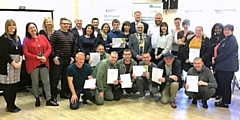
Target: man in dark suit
(98, 35)
(133, 25)
(78, 30)
(139, 43)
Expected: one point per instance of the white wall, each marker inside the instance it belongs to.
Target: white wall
(62, 8)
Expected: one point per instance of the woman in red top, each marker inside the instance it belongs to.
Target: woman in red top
(36, 50)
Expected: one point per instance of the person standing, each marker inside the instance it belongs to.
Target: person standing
(10, 64)
(36, 49)
(133, 25)
(64, 48)
(226, 63)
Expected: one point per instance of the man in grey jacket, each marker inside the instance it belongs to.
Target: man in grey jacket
(206, 82)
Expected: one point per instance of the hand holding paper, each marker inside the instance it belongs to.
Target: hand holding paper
(90, 84)
(126, 81)
(192, 82)
(156, 74)
(112, 75)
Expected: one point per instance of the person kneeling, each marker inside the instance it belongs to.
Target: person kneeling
(206, 82)
(170, 80)
(77, 74)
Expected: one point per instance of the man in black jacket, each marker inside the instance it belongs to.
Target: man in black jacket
(170, 79)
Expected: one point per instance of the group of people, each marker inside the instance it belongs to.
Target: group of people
(64, 54)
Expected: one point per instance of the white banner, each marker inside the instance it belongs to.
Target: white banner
(120, 11)
(148, 10)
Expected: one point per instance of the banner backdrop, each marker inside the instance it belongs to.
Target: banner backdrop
(148, 11)
(121, 11)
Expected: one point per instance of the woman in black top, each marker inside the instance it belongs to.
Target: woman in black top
(10, 64)
(126, 30)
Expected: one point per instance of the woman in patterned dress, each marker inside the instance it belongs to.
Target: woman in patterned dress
(10, 64)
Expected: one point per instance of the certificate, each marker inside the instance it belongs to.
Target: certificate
(95, 58)
(112, 75)
(126, 81)
(193, 53)
(90, 84)
(118, 42)
(140, 70)
(192, 82)
(156, 74)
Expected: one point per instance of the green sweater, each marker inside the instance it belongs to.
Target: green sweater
(100, 73)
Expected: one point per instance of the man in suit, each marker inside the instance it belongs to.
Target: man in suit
(97, 34)
(139, 43)
(133, 25)
(78, 30)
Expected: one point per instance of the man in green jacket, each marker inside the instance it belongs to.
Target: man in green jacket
(207, 84)
(104, 90)
(125, 66)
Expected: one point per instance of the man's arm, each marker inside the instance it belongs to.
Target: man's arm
(100, 76)
(71, 86)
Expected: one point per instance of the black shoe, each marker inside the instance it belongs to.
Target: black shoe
(189, 98)
(18, 108)
(54, 98)
(51, 103)
(84, 103)
(37, 103)
(218, 98)
(194, 101)
(204, 103)
(13, 110)
(64, 95)
(224, 105)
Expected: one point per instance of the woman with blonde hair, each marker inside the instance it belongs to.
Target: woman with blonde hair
(10, 64)
(48, 27)
(198, 41)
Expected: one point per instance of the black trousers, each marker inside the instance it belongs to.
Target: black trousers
(57, 72)
(9, 94)
(156, 61)
(224, 79)
(86, 96)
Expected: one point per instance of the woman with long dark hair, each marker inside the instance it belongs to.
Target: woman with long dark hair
(37, 49)
(88, 42)
(164, 43)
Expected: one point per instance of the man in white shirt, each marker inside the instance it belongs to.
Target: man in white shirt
(154, 32)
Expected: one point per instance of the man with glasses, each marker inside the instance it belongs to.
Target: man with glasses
(139, 43)
(64, 48)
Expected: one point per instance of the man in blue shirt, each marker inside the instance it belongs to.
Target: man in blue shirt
(77, 74)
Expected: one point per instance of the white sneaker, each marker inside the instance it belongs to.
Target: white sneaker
(140, 99)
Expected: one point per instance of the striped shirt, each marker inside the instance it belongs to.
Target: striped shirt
(63, 44)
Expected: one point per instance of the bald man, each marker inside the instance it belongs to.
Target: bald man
(78, 30)
(139, 43)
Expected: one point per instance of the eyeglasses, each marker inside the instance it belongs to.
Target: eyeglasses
(65, 23)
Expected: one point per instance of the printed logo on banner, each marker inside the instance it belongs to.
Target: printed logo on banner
(110, 10)
(155, 6)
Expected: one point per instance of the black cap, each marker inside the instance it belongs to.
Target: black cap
(168, 55)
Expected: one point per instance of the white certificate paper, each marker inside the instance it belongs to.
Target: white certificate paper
(140, 70)
(91, 83)
(193, 53)
(192, 82)
(95, 58)
(118, 42)
(156, 74)
(112, 75)
(126, 81)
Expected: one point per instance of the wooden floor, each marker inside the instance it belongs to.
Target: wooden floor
(126, 109)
